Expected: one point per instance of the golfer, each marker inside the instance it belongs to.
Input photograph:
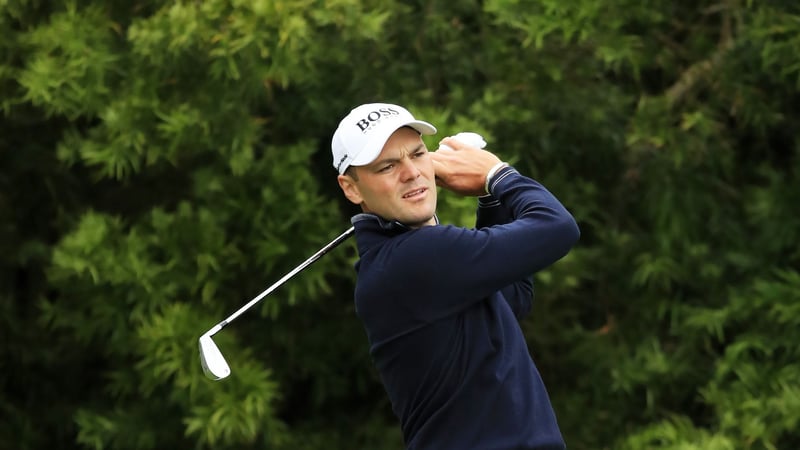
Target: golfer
(440, 304)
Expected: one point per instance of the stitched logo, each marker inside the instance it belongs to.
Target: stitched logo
(374, 117)
(338, 166)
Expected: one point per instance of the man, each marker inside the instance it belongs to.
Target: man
(441, 304)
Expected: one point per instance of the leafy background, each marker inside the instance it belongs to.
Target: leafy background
(164, 162)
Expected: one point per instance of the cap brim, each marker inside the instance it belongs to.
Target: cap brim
(375, 146)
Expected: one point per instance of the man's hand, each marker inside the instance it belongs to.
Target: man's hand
(462, 168)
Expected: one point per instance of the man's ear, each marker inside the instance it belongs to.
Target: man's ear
(351, 191)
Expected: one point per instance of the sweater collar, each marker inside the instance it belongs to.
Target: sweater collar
(372, 230)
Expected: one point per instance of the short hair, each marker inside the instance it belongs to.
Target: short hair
(351, 172)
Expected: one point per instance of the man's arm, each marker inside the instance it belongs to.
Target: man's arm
(475, 263)
(518, 295)
(462, 266)
(491, 212)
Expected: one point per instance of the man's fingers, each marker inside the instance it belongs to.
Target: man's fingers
(440, 171)
(443, 156)
(450, 143)
(438, 166)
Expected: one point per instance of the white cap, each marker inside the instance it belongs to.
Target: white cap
(362, 134)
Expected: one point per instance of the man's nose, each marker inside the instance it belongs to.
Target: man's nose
(410, 171)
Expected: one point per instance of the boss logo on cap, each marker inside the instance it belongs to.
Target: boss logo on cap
(375, 116)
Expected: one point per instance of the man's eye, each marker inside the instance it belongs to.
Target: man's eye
(386, 168)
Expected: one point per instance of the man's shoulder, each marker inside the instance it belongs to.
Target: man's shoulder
(426, 239)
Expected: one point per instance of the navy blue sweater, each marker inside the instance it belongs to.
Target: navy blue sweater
(440, 305)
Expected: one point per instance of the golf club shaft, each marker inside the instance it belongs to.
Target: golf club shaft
(341, 238)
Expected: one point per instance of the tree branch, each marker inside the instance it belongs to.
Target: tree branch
(692, 76)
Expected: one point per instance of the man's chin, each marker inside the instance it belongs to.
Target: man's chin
(417, 222)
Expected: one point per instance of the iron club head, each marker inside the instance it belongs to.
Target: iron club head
(214, 364)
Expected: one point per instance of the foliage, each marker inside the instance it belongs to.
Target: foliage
(164, 162)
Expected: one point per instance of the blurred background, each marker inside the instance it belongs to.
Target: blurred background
(163, 162)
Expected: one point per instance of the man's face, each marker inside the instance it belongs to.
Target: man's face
(399, 185)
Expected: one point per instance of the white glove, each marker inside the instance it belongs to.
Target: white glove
(469, 138)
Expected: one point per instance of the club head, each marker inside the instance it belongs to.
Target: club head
(214, 364)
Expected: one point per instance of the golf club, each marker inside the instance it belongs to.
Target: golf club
(214, 364)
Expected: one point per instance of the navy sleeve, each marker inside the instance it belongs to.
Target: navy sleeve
(518, 295)
(491, 212)
(468, 265)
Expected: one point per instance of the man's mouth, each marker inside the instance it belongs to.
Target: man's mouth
(415, 192)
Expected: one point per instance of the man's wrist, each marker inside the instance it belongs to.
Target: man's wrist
(492, 172)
